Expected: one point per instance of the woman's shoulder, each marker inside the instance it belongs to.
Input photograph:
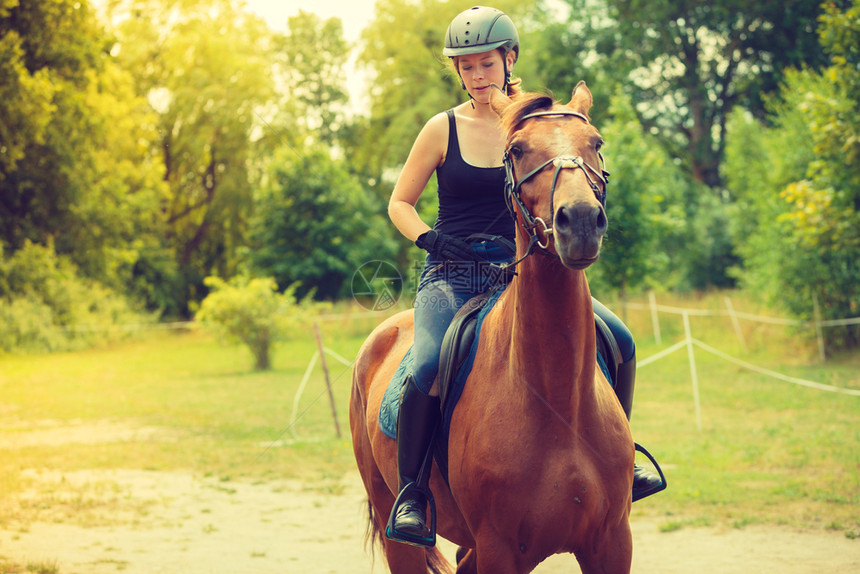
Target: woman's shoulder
(435, 132)
(437, 124)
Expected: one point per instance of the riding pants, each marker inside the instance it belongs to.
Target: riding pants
(443, 288)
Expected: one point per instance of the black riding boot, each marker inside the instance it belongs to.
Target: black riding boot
(417, 420)
(645, 482)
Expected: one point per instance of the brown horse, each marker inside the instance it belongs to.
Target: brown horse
(540, 451)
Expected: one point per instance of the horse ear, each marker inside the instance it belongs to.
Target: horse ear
(499, 100)
(580, 99)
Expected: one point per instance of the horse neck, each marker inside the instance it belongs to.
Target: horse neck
(552, 332)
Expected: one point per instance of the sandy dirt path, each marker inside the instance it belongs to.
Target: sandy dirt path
(154, 522)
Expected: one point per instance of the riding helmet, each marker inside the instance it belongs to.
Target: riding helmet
(481, 29)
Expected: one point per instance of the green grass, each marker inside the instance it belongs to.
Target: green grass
(769, 452)
(200, 394)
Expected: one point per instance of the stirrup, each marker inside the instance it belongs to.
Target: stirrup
(404, 537)
(662, 486)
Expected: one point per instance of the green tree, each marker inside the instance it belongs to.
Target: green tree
(50, 50)
(313, 56)
(402, 50)
(25, 99)
(688, 63)
(643, 204)
(572, 47)
(709, 255)
(205, 68)
(77, 171)
(316, 225)
(122, 236)
(805, 245)
(45, 305)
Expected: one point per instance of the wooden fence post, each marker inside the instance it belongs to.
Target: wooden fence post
(735, 323)
(327, 381)
(693, 374)
(816, 310)
(655, 318)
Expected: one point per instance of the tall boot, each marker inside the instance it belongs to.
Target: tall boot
(645, 482)
(417, 421)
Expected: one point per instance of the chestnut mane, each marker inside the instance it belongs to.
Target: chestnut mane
(524, 105)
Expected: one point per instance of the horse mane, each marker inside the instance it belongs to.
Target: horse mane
(524, 105)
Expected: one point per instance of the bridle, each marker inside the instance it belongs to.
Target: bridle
(532, 225)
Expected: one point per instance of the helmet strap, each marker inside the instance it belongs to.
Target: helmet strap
(508, 73)
(463, 85)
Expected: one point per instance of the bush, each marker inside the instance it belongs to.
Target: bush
(252, 312)
(46, 306)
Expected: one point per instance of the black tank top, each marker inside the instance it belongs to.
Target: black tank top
(471, 199)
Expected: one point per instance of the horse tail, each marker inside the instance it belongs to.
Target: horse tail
(436, 563)
(373, 534)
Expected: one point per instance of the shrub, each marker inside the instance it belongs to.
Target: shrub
(252, 312)
(46, 306)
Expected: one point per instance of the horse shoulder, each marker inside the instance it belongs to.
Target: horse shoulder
(611, 422)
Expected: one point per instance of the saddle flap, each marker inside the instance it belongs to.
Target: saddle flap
(607, 348)
(458, 341)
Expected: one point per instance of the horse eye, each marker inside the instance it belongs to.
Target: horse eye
(516, 152)
(598, 145)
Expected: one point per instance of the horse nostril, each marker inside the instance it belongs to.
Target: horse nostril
(602, 223)
(562, 220)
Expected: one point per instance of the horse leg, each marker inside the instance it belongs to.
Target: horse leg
(467, 561)
(405, 559)
(401, 558)
(497, 557)
(613, 554)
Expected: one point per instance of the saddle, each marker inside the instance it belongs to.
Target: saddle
(460, 336)
(458, 351)
(457, 346)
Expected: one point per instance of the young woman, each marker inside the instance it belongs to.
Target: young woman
(465, 147)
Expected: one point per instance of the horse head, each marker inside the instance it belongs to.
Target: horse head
(555, 173)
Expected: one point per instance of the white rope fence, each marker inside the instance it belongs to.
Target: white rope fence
(690, 342)
(655, 309)
(294, 416)
(817, 323)
(774, 374)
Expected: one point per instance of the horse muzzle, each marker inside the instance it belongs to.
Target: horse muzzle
(578, 230)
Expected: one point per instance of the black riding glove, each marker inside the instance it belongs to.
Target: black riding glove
(445, 247)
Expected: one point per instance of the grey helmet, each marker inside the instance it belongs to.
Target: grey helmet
(481, 29)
